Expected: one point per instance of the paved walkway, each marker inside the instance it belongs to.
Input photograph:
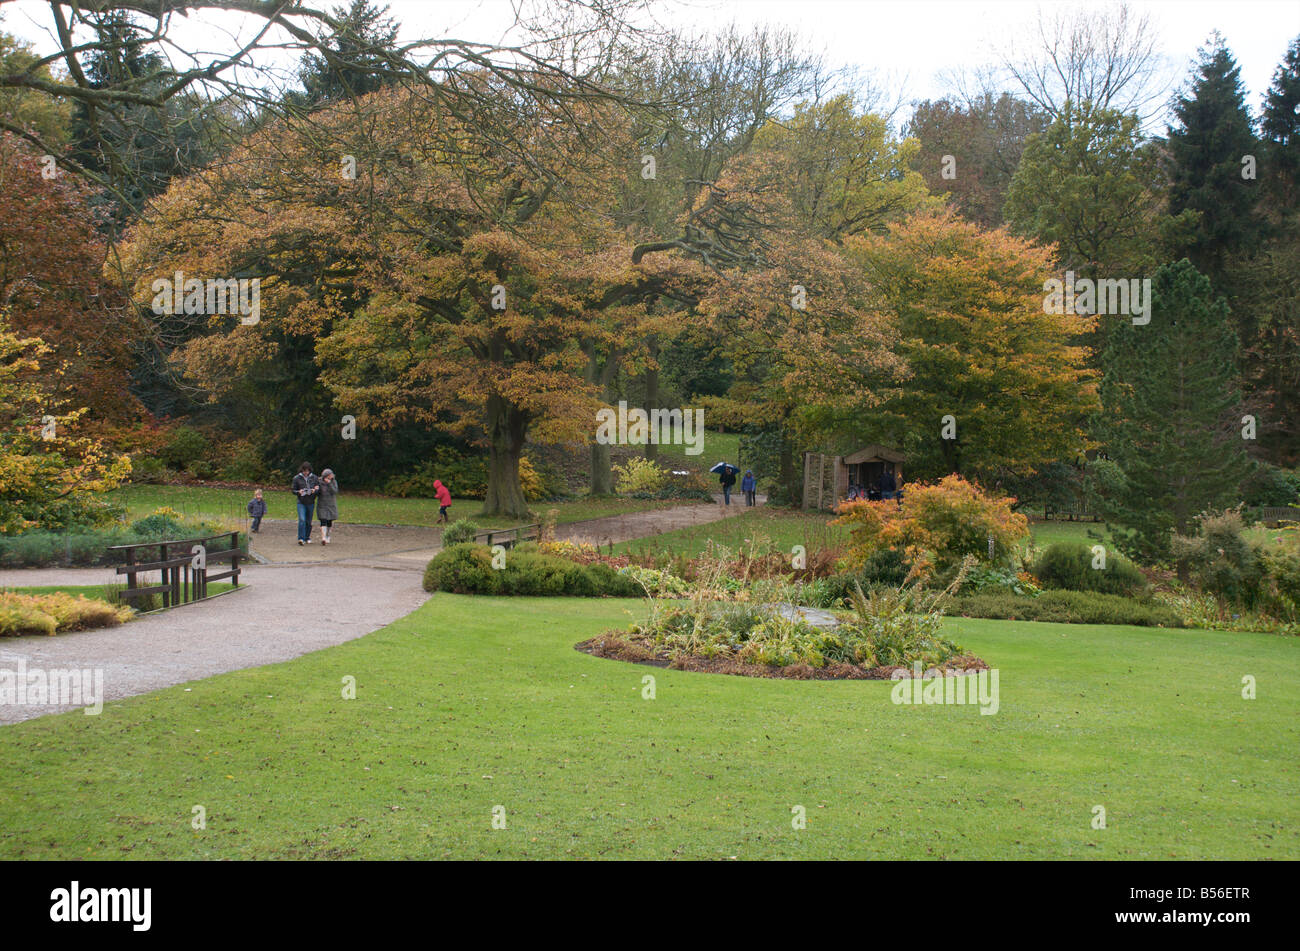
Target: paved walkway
(298, 600)
(409, 546)
(285, 612)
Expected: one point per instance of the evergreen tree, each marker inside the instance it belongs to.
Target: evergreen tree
(1280, 132)
(1206, 149)
(1270, 282)
(1170, 415)
(356, 62)
(138, 148)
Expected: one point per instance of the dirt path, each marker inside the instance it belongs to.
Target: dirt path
(283, 613)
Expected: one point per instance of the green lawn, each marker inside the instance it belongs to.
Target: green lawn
(1047, 533)
(230, 505)
(784, 527)
(718, 447)
(472, 703)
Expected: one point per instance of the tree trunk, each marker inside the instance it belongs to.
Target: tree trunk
(652, 400)
(602, 473)
(507, 428)
(790, 476)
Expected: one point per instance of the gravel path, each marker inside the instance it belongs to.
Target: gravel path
(301, 600)
(286, 611)
(622, 528)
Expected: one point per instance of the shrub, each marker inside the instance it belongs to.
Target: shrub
(467, 569)
(1069, 565)
(1219, 560)
(462, 569)
(639, 475)
(940, 523)
(1282, 567)
(243, 462)
(185, 447)
(149, 469)
(530, 480)
(56, 612)
(1067, 607)
(88, 547)
(160, 525)
(459, 532)
(1271, 486)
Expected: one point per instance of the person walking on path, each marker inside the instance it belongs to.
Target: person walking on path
(749, 485)
(256, 511)
(305, 487)
(444, 499)
(327, 504)
(728, 479)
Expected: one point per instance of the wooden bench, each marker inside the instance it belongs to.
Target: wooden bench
(509, 537)
(1279, 513)
(1074, 514)
(181, 581)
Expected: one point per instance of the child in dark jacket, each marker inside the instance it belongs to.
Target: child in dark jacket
(256, 509)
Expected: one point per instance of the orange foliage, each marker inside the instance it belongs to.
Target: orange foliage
(937, 524)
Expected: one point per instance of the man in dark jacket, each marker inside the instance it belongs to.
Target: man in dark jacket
(306, 487)
(728, 479)
(888, 485)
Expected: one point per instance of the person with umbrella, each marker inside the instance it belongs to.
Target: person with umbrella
(727, 479)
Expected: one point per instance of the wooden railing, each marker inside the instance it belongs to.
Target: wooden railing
(185, 574)
(508, 537)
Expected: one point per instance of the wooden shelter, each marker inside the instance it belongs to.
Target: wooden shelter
(827, 480)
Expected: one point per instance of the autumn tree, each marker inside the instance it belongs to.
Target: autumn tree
(994, 380)
(44, 117)
(408, 294)
(52, 284)
(51, 476)
(785, 301)
(970, 150)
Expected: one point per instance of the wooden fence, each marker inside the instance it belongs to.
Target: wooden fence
(508, 537)
(185, 575)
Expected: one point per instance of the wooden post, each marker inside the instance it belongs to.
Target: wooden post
(166, 575)
(821, 478)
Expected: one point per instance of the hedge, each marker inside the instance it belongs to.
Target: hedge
(467, 569)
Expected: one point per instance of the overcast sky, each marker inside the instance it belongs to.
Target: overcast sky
(908, 44)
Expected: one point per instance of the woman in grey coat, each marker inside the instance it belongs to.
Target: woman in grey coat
(327, 504)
